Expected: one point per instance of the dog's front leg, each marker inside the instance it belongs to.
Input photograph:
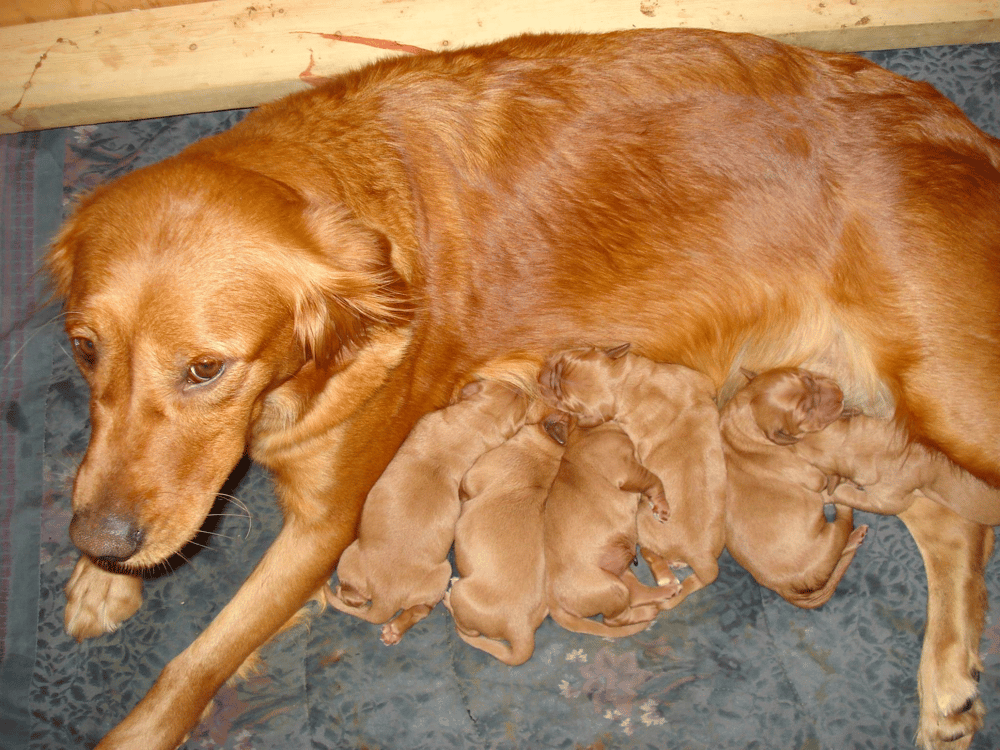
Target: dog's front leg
(322, 483)
(298, 563)
(955, 553)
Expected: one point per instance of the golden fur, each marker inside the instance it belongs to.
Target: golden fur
(775, 526)
(310, 283)
(500, 547)
(591, 535)
(669, 413)
(399, 562)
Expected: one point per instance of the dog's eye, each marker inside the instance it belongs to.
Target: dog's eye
(85, 350)
(204, 370)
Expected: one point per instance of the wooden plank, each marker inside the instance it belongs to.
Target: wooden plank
(230, 53)
(13, 12)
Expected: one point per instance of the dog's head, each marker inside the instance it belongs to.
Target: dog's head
(585, 382)
(193, 290)
(790, 402)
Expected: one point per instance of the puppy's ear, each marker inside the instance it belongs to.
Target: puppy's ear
(619, 351)
(782, 437)
(346, 288)
(558, 426)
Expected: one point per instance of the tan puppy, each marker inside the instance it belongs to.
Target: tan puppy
(500, 546)
(888, 473)
(669, 413)
(885, 467)
(400, 559)
(591, 535)
(775, 526)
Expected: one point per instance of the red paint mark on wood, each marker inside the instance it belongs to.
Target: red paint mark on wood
(307, 74)
(386, 44)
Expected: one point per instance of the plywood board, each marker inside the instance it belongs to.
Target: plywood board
(237, 53)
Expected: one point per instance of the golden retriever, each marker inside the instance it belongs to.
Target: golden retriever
(500, 546)
(775, 525)
(591, 535)
(308, 284)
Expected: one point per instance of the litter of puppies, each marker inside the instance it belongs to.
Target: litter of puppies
(550, 499)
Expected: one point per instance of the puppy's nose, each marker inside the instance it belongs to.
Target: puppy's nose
(105, 538)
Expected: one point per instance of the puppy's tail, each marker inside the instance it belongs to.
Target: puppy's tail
(593, 627)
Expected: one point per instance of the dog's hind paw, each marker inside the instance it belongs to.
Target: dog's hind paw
(98, 601)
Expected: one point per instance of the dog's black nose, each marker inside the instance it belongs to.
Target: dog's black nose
(105, 538)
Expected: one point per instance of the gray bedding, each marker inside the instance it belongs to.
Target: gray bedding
(734, 667)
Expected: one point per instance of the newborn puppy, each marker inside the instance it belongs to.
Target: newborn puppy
(775, 526)
(500, 546)
(669, 413)
(591, 535)
(399, 560)
(886, 469)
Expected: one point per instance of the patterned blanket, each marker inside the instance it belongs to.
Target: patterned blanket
(734, 667)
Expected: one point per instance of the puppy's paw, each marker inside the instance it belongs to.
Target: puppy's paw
(660, 507)
(951, 711)
(390, 634)
(98, 601)
(856, 537)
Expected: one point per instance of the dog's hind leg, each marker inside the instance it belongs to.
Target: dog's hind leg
(955, 553)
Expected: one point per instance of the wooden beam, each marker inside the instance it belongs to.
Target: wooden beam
(13, 12)
(238, 53)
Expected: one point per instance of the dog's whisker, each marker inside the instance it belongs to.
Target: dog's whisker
(215, 534)
(243, 507)
(28, 340)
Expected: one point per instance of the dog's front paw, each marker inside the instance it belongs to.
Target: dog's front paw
(951, 710)
(98, 601)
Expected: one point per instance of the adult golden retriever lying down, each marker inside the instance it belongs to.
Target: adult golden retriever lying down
(308, 284)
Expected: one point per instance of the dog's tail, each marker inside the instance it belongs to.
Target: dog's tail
(593, 627)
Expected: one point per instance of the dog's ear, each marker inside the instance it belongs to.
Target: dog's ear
(619, 351)
(60, 259)
(346, 288)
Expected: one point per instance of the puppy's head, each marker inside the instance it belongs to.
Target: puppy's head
(790, 402)
(585, 382)
(193, 290)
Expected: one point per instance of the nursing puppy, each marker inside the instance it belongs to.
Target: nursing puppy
(591, 535)
(400, 559)
(775, 526)
(307, 285)
(499, 600)
(873, 466)
(669, 413)
(885, 468)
